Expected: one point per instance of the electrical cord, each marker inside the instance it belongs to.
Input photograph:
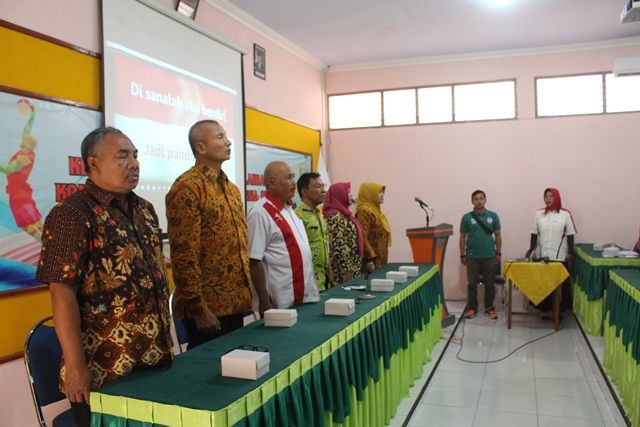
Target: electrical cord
(449, 339)
(464, 322)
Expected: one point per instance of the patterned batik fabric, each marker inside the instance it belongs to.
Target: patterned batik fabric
(112, 256)
(317, 234)
(346, 261)
(376, 238)
(209, 244)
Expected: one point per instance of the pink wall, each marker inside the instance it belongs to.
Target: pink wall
(73, 21)
(592, 160)
(293, 89)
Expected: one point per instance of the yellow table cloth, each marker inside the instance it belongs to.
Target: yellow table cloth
(536, 280)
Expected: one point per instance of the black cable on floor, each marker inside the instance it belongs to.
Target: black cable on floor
(462, 320)
(502, 358)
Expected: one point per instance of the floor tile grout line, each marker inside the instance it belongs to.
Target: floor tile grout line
(416, 403)
(588, 374)
(603, 374)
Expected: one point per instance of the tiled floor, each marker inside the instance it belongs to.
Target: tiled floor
(550, 382)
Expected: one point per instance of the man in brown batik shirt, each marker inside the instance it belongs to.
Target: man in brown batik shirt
(102, 258)
(208, 239)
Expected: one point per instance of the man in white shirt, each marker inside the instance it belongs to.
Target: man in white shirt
(280, 257)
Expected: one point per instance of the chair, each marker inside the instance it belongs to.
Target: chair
(181, 331)
(42, 355)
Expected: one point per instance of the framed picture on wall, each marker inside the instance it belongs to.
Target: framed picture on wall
(259, 64)
(45, 136)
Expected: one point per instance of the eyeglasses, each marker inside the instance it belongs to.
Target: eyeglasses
(252, 348)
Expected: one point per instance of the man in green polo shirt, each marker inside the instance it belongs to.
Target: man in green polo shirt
(312, 191)
(480, 244)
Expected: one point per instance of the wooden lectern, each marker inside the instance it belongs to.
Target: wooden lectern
(429, 245)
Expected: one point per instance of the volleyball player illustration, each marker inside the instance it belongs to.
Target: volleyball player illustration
(23, 207)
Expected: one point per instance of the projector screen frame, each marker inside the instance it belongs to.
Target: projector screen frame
(172, 14)
(166, 12)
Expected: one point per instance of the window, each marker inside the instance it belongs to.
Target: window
(355, 111)
(587, 94)
(425, 105)
(399, 107)
(485, 101)
(572, 95)
(435, 104)
(623, 93)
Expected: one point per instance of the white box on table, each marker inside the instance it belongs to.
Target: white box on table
(382, 285)
(339, 307)
(246, 364)
(397, 276)
(280, 323)
(280, 317)
(411, 270)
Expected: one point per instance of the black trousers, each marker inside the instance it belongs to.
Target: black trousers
(197, 337)
(486, 268)
(566, 303)
(82, 413)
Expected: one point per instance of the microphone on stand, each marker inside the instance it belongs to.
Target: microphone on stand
(421, 203)
(424, 207)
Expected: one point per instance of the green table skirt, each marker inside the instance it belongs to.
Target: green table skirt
(592, 270)
(622, 308)
(590, 313)
(357, 377)
(622, 338)
(590, 281)
(294, 406)
(624, 370)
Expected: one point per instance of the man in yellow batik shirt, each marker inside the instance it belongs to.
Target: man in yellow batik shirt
(208, 240)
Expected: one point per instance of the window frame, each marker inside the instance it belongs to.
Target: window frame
(356, 93)
(603, 79)
(604, 95)
(416, 89)
(415, 101)
(515, 100)
(555, 76)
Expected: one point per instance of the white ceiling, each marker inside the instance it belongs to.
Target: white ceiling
(342, 32)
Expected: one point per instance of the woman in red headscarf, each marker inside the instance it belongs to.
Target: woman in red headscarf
(552, 237)
(346, 244)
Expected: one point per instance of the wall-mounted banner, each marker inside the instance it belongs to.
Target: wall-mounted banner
(259, 156)
(40, 164)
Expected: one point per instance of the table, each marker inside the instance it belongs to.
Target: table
(536, 280)
(591, 275)
(622, 338)
(324, 370)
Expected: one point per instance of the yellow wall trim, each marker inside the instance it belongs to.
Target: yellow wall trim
(36, 65)
(271, 130)
(19, 313)
(43, 67)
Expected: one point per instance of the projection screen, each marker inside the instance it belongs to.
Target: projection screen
(162, 73)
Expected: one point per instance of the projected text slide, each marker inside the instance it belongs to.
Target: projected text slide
(155, 104)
